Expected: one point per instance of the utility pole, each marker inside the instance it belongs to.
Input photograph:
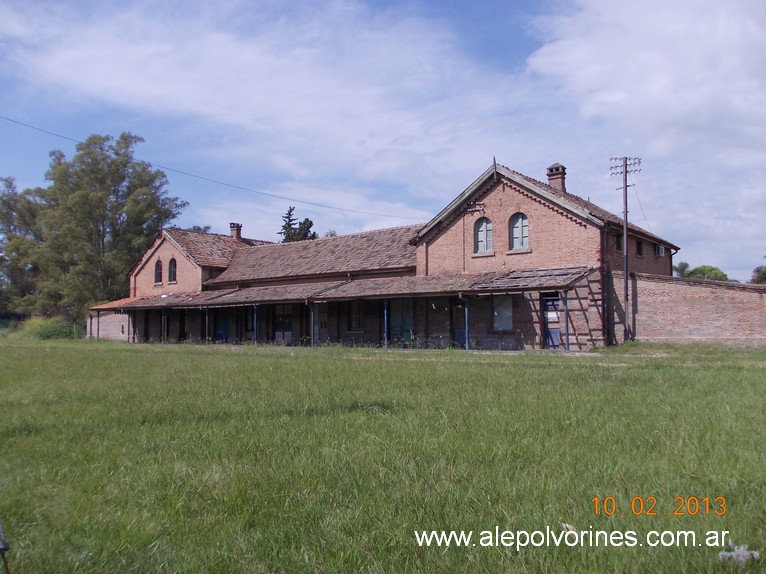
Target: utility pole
(625, 166)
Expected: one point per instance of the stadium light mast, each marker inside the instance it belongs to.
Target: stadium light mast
(624, 166)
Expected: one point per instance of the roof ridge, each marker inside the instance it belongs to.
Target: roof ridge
(241, 240)
(344, 236)
(356, 233)
(531, 179)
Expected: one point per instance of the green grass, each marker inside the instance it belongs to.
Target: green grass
(181, 458)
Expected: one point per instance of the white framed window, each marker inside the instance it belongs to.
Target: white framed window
(172, 270)
(659, 250)
(482, 236)
(355, 316)
(519, 231)
(502, 312)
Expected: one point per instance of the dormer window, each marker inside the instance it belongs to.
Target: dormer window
(172, 270)
(518, 231)
(482, 236)
(158, 271)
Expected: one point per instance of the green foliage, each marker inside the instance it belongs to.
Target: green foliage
(292, 232)
(48, 328)
(759, 275)
(707, 272)
(683, 269)
(137, 458)
(72, 243)
(199, 228)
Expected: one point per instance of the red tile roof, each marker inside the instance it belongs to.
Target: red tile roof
(118, 304)
(369, 251)
(368, 288)
(534, 280)
(209, 249)
(574, 204)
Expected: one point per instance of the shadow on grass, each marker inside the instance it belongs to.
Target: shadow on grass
(375, 407)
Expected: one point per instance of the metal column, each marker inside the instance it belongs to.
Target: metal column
(385, 324)
(565, 297)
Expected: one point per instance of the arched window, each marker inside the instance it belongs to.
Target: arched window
(172, 270)
(482, 236)
(518, 232)
(158, 271)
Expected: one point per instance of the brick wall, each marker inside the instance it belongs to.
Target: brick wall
(675, 310)
(556, 239)
(649, 262)
(107, 325)
(188, 274)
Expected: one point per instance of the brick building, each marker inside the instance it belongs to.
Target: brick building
(510, 263)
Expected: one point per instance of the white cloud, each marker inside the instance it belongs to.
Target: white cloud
(344, 103)
(682, 84)
(335, 84)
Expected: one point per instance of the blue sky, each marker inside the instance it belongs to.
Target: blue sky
(393, 108)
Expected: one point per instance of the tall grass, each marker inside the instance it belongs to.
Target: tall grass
(130, 458)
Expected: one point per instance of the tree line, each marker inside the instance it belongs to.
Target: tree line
(71, 244)
(683, 269)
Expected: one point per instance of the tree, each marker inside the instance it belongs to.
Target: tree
(682, 269)
(708, 272)
(198, 228)
(292, 232)
(71, 244)
(759, 274)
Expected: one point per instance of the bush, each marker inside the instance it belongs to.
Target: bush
(53, 328)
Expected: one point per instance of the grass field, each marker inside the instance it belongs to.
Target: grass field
(133, 458)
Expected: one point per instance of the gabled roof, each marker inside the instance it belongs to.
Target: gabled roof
(366, 252)
(366, 288)
(573, 204)
(209, 249)
(520, 280)
(204, 249)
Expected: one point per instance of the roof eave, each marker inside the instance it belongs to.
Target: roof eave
(233, 283)
(483, 179)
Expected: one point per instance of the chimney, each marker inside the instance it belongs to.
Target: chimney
(236, 230)
(557, 175)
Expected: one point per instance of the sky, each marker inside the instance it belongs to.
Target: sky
(387, 110)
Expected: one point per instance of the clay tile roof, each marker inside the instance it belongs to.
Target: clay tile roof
(379, 250)
(209, 249)
(535, 280)
(573, 203)
(118, 304)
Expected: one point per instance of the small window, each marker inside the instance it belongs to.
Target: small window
(502, 312)
(519, 232)
(355, 316)
(158, 272)
(172, 271)
(659, 250)
(482, 236)
(618, 243)
(639, 248)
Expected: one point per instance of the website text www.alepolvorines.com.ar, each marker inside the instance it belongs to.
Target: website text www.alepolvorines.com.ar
(521, 539)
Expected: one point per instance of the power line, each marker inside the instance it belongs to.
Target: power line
(638, 199)
(223, 183)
